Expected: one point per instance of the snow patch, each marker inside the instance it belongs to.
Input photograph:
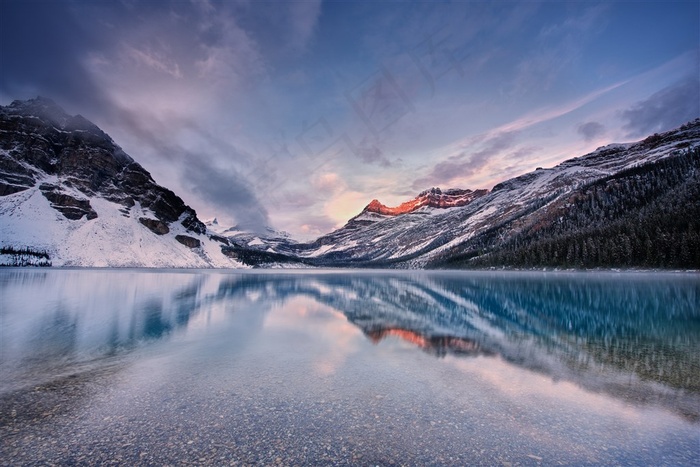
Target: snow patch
(255, 241)
(27, 220)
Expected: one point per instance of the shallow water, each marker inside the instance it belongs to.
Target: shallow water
(349, 367)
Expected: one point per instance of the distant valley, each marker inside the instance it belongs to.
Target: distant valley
(70, 196)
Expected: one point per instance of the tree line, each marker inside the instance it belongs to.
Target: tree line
(20, 257)
(646, 216)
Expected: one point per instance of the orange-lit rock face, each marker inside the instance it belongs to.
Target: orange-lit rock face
(434, 198)
(439, 345)
(408, 336)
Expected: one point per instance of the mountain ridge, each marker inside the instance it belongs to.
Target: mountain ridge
(433, 197)
(69, 191)
(69, 195)
(424, 238)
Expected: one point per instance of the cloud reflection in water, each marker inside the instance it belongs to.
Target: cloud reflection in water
(631, 336)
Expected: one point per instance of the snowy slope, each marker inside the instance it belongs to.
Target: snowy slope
(113, 239)
(70, 196)
(67, 190)
(413, 238)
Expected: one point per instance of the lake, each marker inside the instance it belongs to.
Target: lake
(324, 367)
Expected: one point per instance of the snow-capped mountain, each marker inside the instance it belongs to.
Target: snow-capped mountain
(69, 196)
(270, 240)
(433, 231)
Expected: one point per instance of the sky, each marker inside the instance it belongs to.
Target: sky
(296, 114)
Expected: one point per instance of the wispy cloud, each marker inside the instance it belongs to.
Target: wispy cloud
(154, 60)
(212, 96)
(547, 114)
(178, 107)
(470, 155)
(198, 169)
(557, 48)
(303, 17)
(226, 55)
(665, 109)
(470, 161)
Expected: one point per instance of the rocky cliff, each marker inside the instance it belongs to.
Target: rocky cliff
(434, 198)
(69, 191)
(623, 205)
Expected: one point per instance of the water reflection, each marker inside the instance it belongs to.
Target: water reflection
(53, 319)
(632, 336)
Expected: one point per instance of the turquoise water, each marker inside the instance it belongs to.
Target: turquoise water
(349, 367)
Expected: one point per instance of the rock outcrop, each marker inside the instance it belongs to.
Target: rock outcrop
(70, 196)
(38, 139)
(434, 198)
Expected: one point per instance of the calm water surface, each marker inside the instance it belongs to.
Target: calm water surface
(360, 368)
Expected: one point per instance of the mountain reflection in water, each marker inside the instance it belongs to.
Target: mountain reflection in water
(632, 336)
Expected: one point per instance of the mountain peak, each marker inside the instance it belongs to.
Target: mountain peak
(38, 101)
(72, 161)
(77, 198)
(40, 107)
(433, 197)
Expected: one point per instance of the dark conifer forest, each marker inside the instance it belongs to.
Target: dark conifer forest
(644, 217)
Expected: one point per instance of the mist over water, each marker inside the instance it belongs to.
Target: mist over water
(318, 366)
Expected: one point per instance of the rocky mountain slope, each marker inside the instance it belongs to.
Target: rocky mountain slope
(434, 198)
(540, 218)
(70, 196)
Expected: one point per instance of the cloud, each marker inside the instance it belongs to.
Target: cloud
(171, 99)
(190, 102)
(495, 146)
(303, 17)
(371, 153)
(468, 163)
(557, 49)
(550, 113)
(312, 226)
(497, 140)
(154, 60)
(327, 183)
(136, 79)
(208, 179)
(204, 89)
(664, 110)
(590, 130)
(344, 205)
(226, 54)
(228, 191)
(280, 30)
(45, 56)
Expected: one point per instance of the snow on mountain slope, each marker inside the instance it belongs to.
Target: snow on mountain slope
(67, 190)
(411, 237)
(110, 240)
(70, 196)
